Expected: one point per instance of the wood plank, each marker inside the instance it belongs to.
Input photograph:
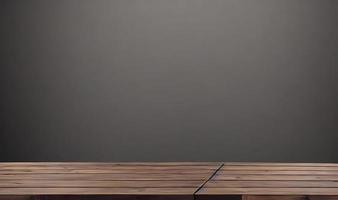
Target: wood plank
(117, 197)
(140, 169)
(272, 184)
(100, 177)
(269, 191)
(95, 167)
(97, 191)
(281, 168)
(96, 184)
(275, 172)
(110, 163)
(279, 164)
(107, 171)
(263, 177)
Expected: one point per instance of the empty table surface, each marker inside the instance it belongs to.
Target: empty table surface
(187, 179)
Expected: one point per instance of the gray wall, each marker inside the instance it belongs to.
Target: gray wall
(169, 80)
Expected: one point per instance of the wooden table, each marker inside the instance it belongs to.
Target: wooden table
(168, 181)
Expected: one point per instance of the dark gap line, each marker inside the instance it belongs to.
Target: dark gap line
(207, 180)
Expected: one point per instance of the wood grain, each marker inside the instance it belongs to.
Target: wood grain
(97, 191)
(103, 178)
(267, 177)
(274, 179)
(279, 164)
(184, 180)
(106, 177)
(277, 172)
(116, 197)
(269, 191)
(272, 184)
(101, 184)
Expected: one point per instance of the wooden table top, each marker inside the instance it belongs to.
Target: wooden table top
(171, 178)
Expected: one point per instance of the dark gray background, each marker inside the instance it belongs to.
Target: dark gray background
(169, 80)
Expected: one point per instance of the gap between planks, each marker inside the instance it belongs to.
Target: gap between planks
(207, 180)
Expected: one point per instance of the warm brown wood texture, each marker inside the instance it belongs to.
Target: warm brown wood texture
(103, 178)
(273, 179)
(168, 181)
